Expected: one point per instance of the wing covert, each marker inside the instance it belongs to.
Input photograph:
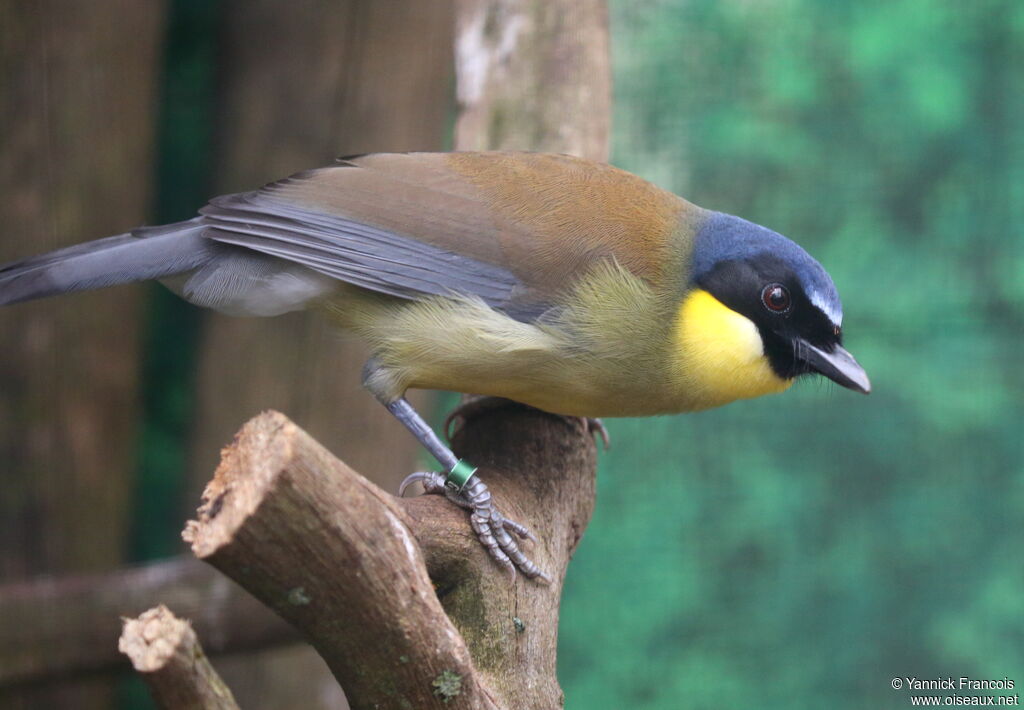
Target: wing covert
(514, 229)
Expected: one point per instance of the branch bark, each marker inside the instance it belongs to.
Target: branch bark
(165, 651)
(347, 563)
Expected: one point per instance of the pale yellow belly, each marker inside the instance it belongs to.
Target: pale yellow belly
(708, 357)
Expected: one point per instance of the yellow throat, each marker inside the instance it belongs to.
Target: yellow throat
(720, 355)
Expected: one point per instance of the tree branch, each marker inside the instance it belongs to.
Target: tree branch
(60, 626)
(165, 651)
(346, 563)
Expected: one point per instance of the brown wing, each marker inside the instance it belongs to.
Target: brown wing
(512, 228)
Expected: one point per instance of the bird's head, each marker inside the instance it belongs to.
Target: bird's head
(761, 312)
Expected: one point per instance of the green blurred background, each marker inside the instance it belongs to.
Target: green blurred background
(801, 550)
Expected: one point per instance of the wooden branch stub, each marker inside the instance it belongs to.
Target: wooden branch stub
(347, 563)
(333, 555)
(165, 651)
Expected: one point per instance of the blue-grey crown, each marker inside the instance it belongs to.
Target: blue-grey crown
(725, 237)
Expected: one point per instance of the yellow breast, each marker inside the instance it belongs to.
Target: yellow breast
(719, 354)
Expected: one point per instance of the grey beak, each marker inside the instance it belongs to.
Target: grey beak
(838, 365)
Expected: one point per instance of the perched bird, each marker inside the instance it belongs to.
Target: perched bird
(564, 284)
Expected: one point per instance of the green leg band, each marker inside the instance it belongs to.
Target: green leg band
(459, 475)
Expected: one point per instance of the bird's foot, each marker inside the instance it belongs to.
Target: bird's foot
(491, 527)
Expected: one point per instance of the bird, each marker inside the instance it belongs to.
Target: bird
(564, 284)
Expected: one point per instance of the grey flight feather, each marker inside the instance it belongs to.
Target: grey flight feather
(396, 225)
(352, 251)
(146, 253)
(250, 254)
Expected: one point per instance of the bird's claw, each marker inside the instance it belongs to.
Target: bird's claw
(596, 427)
(490, 526)
(418, 477)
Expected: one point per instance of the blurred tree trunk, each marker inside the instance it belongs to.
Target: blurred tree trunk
(76, 115)
(302, 83)
(534, 75)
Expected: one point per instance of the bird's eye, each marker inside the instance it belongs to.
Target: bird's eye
(775, 298)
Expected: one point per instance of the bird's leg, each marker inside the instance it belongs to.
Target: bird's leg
(464, 487)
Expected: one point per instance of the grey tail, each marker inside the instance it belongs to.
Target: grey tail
(147, 253)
